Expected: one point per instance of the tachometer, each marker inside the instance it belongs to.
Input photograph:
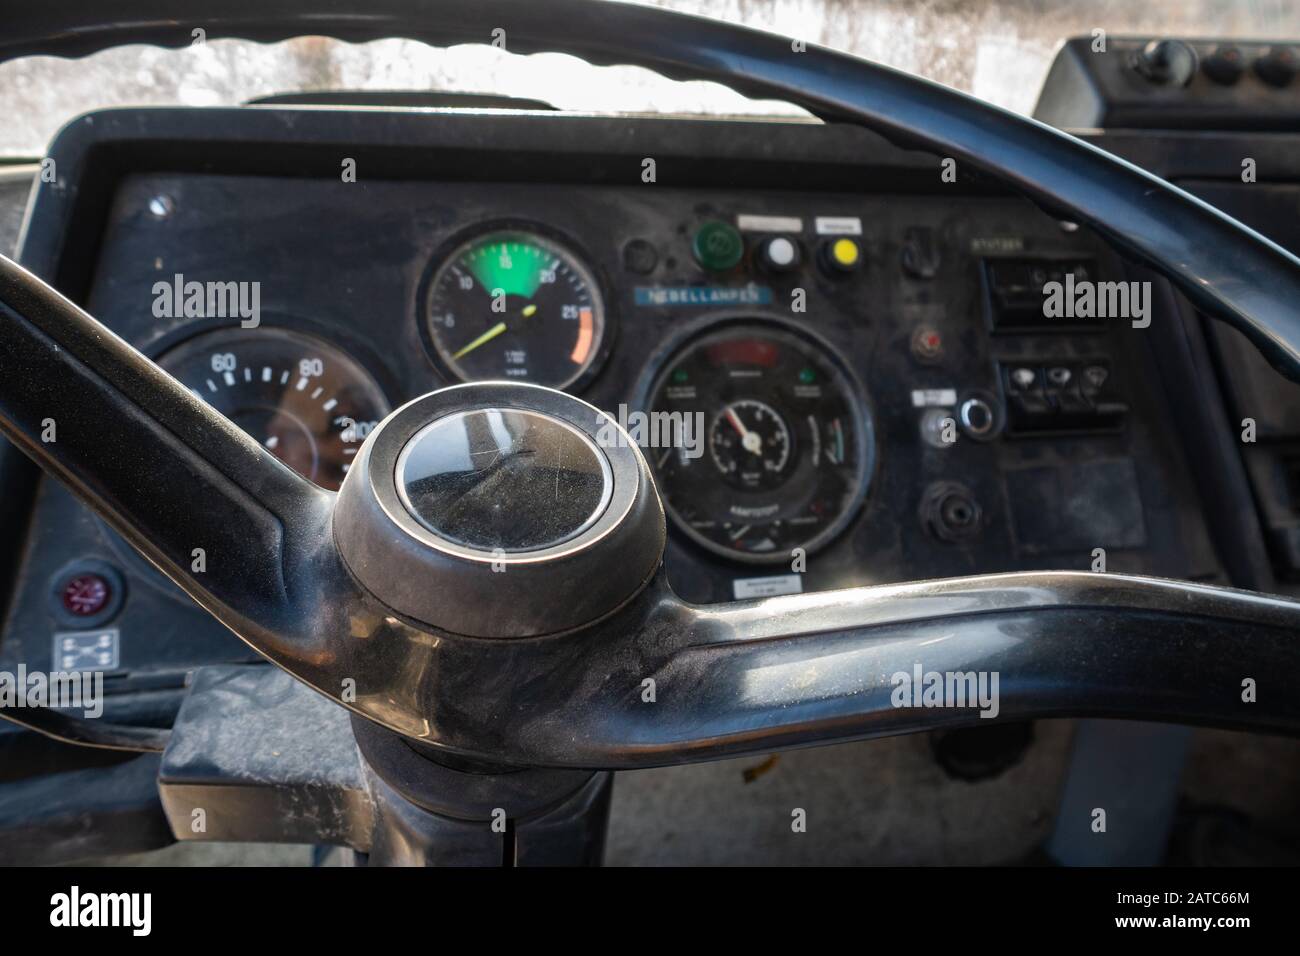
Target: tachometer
(308, 402)
(788, 442)
(514, 304)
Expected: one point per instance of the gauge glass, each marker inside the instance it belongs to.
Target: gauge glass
(788, 443)
(515, 305)
(309, 403)
(750, 444)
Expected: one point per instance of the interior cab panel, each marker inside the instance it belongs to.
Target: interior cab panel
(848, 363)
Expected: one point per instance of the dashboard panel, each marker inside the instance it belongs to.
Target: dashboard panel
(823, 346)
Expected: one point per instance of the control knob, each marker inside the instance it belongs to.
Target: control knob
(1166, 62)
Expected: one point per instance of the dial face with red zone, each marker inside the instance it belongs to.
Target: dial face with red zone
(783, 452)
(515, 305)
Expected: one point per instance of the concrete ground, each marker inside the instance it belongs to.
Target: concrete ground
(880, 802)
(888, 802)
(876, 802)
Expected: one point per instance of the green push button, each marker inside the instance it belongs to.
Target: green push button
(718, 246)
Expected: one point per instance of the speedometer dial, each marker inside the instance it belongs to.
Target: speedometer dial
(514, 304)
(784, 448)
(308, 402)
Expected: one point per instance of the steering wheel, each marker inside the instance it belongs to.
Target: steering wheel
(488, 579)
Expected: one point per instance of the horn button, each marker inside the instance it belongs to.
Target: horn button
(504, 480)
(500, 509)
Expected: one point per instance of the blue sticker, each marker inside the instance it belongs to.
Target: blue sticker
(702, 295)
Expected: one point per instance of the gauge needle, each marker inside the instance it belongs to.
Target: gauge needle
(750, 441)
(483, 339)
(529, 310)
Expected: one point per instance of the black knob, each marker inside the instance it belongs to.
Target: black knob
(920, 257)
(1277, 67)
(950, 512)
(1225, 65)
(1167, 62)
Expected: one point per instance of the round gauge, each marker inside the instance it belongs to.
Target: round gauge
(750, 442)
(513, 304)
(773, 445)
(310, 404)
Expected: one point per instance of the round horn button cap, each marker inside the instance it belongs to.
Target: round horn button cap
(504, 480)
(500, 510)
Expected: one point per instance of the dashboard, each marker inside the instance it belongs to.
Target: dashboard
(833, 355)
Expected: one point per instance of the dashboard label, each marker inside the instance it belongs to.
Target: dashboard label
(706, 295)
(930, 397)
(749, 223)
(770, 586)
(996, 245)
(839, 226)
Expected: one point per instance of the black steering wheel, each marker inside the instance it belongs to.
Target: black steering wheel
(393, 598)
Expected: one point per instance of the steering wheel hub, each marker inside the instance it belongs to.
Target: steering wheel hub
(500, 510)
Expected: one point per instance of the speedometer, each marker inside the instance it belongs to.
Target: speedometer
(514, 304)
(781, 446)
(308, 402)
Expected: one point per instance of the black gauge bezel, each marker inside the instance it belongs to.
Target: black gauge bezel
(860, 407)
(572, 247)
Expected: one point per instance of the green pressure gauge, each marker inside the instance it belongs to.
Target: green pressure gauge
(513, 304)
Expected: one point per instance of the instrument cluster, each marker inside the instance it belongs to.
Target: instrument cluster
(768, 446)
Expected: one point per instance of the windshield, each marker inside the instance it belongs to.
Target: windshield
(999, 50)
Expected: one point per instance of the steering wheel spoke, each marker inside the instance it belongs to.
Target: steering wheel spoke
(666, 682)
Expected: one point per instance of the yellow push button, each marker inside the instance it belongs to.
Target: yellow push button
(842, 255)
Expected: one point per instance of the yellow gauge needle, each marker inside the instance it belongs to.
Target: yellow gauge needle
(483, 339)
(529, 310)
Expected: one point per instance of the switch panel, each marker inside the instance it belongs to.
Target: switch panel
(1061, 397)
(1015, 293)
